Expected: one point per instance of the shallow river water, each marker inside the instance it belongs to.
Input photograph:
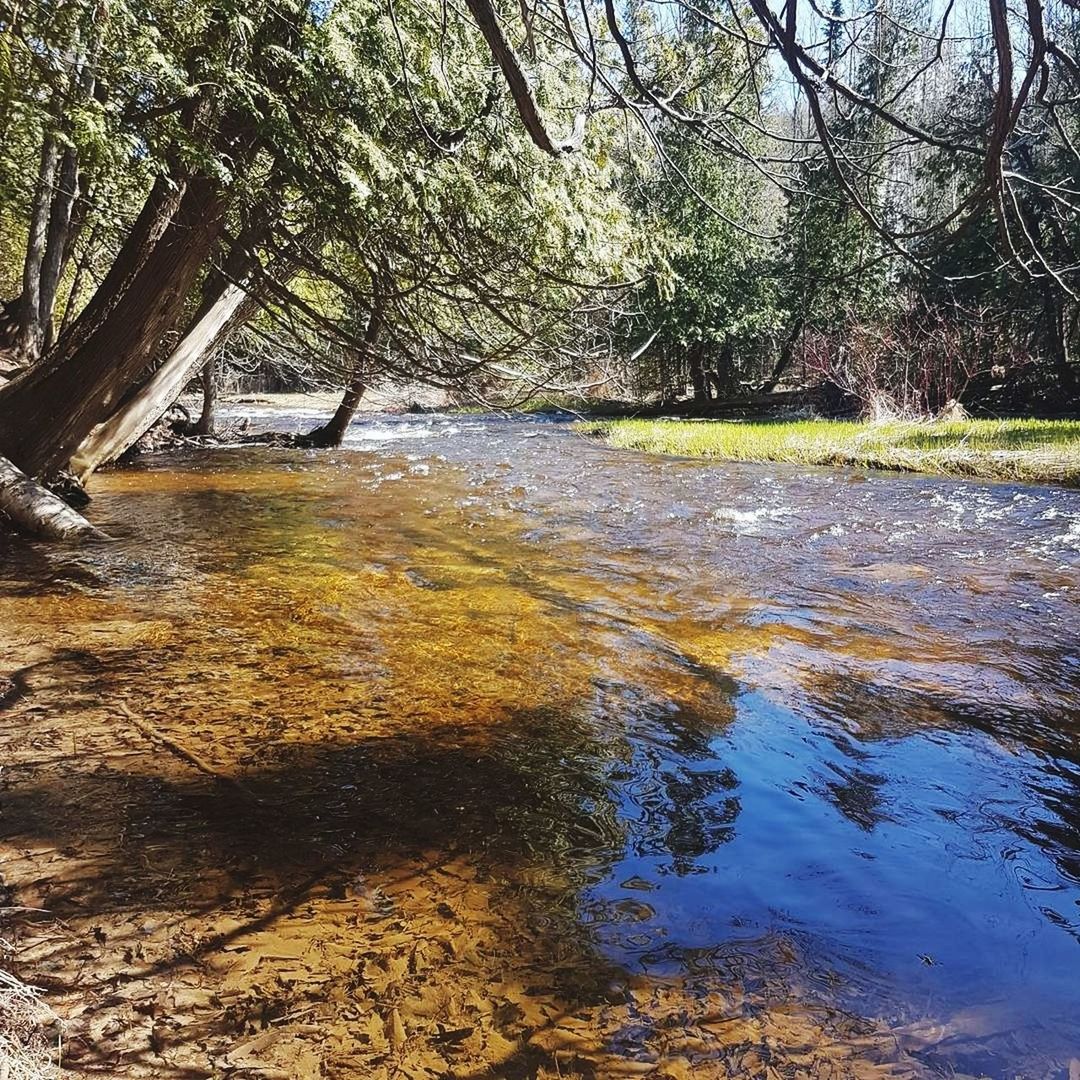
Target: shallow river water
(727, 768)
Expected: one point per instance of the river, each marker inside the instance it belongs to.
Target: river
(543, 756)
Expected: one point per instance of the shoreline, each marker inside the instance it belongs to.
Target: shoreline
(1029, 451)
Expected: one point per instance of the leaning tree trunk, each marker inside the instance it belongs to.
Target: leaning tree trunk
(36, 510)
(49, 410)
(158, 210)
(333, 431)
(82, 268)
(787, 354)
(136, 416)
(226, 306)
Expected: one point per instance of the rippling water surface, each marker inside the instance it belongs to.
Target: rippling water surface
(811, 732)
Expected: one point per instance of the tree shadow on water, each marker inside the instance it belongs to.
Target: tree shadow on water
(387, 903)
(459, 852)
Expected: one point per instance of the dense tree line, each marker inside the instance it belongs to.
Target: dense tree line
(714, 195)
(907, 226)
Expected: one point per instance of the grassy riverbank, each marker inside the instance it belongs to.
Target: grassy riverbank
(1035, 450)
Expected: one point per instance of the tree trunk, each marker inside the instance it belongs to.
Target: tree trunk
(224, 308)
(57, 249)
(9, 322)
(486, 18)
(29, 337)
(135, 417)
(48, 411)
(723, 377)
(66, 218)
(205, 423)
(37, 511)
(1058, 332)
(333, 431)
(697, 372)
(160, 207)
(82, 268)
(787, 352)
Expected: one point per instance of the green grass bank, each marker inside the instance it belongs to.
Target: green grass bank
(1032, 450)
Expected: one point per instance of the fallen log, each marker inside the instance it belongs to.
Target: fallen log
(34, 509)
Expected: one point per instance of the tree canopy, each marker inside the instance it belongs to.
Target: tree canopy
(539, 194)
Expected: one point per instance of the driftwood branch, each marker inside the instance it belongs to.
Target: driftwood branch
(155, 734)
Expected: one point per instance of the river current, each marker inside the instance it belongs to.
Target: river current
(807, 738)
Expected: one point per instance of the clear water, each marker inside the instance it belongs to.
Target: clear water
(812, 733)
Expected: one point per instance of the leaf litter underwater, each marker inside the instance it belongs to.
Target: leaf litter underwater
(476, 750)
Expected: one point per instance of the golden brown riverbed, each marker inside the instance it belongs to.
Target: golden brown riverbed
(472, 750)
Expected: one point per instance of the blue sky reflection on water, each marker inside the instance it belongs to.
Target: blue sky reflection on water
(902, 829)
(896, 868)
